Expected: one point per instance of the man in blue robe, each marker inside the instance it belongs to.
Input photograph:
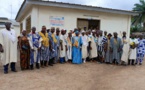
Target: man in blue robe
(35, 44)
(53, 47)
(115, 44)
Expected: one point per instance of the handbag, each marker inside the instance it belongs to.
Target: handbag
(24, 47)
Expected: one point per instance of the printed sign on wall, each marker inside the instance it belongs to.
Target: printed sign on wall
(56, 21)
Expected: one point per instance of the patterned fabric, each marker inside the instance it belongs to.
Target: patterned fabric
(25, 53)
(76, 50)
(35, 44)
(44, 53)
(101, 41)
(140, 50)
(35, 39)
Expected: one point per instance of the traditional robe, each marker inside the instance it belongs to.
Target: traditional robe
(140, 50)
(25, 53)
(53, 40)
(34, 41)
(108, 54)
(58, 50)
(125, 49)
(133, 52)
(8, 39)
(66, 56)
(101, 41)
(85, 41)
(115, 44)
(44, 53)
(69, 46)
(93, 52)
(62, 52)
(76, 50)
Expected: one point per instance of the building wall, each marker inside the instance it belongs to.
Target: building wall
(110, 22)
(23, 20)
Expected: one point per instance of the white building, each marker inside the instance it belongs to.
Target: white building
(15, 25)
(69, 16)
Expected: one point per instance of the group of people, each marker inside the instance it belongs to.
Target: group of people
(77, 46)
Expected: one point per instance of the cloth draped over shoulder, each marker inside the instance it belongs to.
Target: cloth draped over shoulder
(45, 39)
(54, 38)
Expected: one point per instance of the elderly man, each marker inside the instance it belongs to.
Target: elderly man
(44, 50)
(85, 41)
(63, 46)
(35, 44)
(115, 45)
(125, 49)
(58, 44)
(8, 43)
(53, 49)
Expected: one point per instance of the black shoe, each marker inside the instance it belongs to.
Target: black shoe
(14, 70)
(5, 72)
(31, 67)
(128, 62)
(42, 64)
(133, 62)
(37, 66)
(140, 63)
(50, 64)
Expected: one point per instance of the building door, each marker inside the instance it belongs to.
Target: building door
(81, 23)
(89, 24)
(93, 24)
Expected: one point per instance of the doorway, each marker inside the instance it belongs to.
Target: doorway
(89, 24)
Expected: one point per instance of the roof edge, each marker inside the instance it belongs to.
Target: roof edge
(75, 6)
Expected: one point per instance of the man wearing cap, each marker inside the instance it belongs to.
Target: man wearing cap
(8, 47)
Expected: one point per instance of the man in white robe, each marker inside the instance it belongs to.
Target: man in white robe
(8, 41)
(133, 50)
(125, 49)
(63, 47)
(69, 46)
(93, 46)
(85, 41)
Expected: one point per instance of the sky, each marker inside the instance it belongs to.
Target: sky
(9, 8)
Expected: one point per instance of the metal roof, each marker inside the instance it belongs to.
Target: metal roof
(72, 6)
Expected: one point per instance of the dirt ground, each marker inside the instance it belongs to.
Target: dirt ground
(89, 76)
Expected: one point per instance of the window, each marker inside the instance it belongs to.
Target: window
(28, 24)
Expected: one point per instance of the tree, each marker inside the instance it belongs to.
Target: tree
(140, 19)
